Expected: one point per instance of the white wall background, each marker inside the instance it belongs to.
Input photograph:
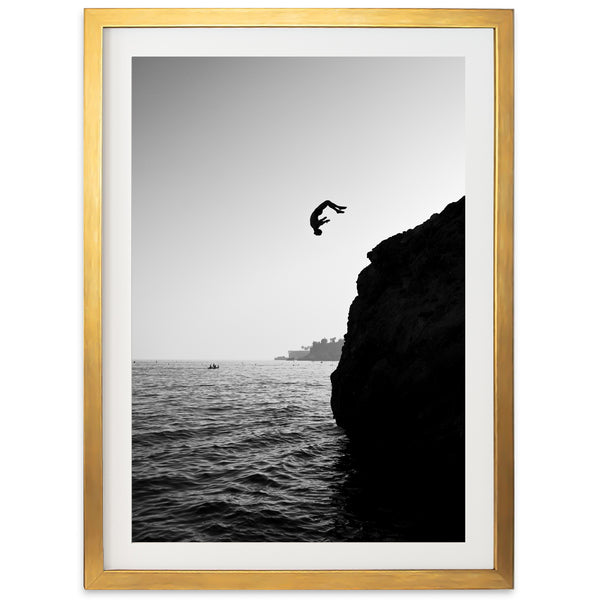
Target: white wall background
(557, 299)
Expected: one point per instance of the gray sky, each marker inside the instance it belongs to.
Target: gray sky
(230, 157)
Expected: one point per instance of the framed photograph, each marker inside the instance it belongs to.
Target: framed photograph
(298, 299)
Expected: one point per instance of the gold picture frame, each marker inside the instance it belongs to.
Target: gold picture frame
(501, 576)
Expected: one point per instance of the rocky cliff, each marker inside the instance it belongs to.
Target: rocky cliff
(399, 388)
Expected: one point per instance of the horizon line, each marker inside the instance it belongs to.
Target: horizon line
(199, 359)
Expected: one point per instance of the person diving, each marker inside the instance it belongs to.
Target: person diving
(316, 221)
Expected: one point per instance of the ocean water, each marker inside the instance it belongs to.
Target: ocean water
(248, 452)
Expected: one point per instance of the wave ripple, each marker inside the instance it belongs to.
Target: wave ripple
(246, 453)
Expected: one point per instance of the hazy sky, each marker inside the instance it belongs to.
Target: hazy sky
(230, 157)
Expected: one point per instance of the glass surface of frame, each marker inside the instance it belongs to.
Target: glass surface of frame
(177, 573)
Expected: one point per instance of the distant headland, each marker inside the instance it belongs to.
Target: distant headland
(326, 349)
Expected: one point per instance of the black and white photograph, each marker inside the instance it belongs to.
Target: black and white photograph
(298, 305)
(201, 392)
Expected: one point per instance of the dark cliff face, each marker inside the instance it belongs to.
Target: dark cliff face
(399, 389)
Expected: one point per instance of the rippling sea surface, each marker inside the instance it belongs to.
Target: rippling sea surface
(248, 452)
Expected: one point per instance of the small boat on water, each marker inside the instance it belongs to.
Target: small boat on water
(213, 366)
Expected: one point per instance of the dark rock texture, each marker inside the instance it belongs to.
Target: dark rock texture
(399, 388)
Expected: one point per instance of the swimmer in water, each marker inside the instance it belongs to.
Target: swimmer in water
(316, 222)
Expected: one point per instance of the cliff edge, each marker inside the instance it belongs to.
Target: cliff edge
(399, 388)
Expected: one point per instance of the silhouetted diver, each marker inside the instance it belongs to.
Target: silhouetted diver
(316, 223)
